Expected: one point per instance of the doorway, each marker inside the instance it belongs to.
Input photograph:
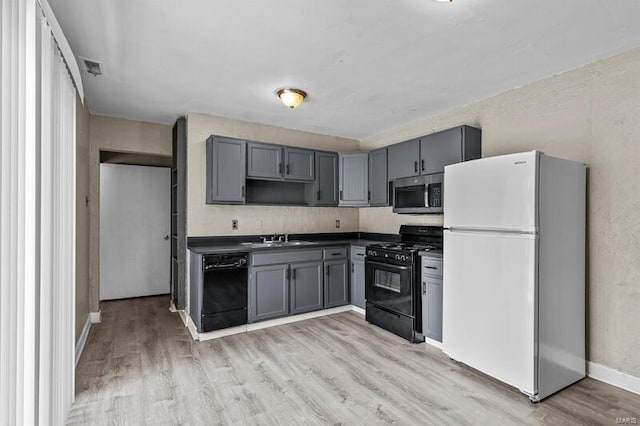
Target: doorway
(135, 229)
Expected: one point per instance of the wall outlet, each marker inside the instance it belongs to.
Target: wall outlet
(337, 223)
(234, 224)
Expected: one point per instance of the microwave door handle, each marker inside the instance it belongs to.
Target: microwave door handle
(426, 195)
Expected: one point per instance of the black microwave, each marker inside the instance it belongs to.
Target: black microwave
(419, 194)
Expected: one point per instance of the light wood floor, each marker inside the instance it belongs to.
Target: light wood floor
(140, 366)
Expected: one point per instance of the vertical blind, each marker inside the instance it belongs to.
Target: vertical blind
(37, 220)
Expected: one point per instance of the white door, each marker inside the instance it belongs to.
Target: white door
(492, 193)
(489, 304)
(135, 224)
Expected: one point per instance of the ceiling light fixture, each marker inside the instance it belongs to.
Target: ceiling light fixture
(445, 1)
(291, 97)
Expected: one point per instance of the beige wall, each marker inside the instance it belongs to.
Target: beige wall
(82, 215)
(115, 134)
(204, 220)
(592, 115)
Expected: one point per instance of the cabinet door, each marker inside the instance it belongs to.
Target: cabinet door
(264, 161)
(226, 164)
(306, 287)
(378, 183)
(439, 150)
(403, 159)
(336, 283)
(432, 307)
(357, 284)
(326, 179)
(269, 292)
(299, 164)
(354, 179)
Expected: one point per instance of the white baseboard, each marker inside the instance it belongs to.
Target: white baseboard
(95, 317)
(433, 343)
(262, 324)
(613, 377)
(82, 340)
(358, 310)
(296, 318)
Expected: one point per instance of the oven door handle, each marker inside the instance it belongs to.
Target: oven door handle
(387, 265)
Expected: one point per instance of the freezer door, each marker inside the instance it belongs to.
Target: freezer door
(489, 314)
(492, 193)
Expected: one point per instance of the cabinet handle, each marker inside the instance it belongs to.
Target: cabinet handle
(288, 274)
(318, 195)
(415, 166)
(336, 254)
(424, 287)
(352, 270)
(341, 195)
(287, 168)
(293, 274)
(430, 267)
(242, 191)
(280, 168)
(369, 195)
(422, 161)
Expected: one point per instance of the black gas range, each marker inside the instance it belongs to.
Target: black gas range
(392, 280)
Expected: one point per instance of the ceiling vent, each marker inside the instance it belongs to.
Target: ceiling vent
(95, 68)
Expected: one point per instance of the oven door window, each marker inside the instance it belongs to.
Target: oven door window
(389, 286)
(408, 197)
(387, 280)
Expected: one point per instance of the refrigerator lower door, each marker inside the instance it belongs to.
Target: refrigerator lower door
(489, 304)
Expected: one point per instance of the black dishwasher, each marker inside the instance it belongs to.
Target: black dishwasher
(224, 292)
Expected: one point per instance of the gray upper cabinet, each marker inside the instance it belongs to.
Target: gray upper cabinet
(306, 287)
(403, 159)
(354, 179)
(226, 165)
(449, 147)
(299, 164)
(336, 283)
(326, 187)
(378, 182)
(268, 292)
(264, 161)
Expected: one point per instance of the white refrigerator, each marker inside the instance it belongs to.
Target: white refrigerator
(514, 269)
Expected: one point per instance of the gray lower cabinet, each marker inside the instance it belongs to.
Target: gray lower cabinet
(264, 161)
(268, 292)
(378, 183)
(326, 184)
(226, 162)
(299, 164)
(432, 298)
(354, 179)
(357, 276)
(306, 287)
(403, 159)
(336, 283)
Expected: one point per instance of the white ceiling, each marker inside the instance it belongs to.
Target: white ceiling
(368, 65)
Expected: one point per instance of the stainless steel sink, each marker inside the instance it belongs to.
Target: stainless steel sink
(280, 244)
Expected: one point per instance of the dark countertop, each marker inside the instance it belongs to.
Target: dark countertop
(233, 244)
(234, 248)
(212, 245)
(431, 253)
